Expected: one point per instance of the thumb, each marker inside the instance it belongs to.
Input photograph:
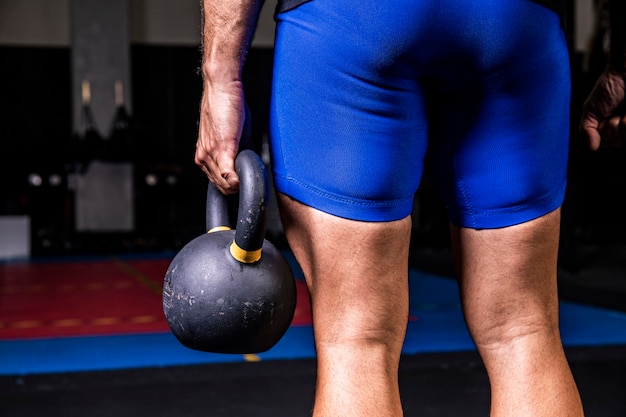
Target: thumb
(589, 128)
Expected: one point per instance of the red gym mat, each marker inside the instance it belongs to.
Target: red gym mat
(54, 299)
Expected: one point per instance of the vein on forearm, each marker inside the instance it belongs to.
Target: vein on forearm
(228, 27)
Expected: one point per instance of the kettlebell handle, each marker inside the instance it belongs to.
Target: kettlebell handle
(217, 214)
(253, 197)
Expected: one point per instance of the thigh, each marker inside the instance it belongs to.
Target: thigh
(507, 277)
(357, 272)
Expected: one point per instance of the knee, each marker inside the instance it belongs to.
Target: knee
(503, 326)
(386, 340)
(360, 324)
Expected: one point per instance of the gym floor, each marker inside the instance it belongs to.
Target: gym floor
(123, 361)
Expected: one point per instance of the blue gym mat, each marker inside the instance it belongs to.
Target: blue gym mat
(436, 325)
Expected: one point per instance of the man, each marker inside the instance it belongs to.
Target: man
(604, 115)
(361, 89)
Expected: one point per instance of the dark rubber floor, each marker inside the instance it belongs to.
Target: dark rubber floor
(447, 384)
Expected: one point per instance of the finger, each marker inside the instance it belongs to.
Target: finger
(226, 168)
(622, 131)
(593, 138)
(224, 178)
(610, 131)
(227, 184)
(589, 130)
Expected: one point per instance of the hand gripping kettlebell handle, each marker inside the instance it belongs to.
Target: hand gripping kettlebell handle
(217, 205)
(251, 218)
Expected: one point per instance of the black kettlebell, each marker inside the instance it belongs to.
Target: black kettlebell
(231, 291)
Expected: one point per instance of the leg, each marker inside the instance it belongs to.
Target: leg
(357, 274)
(509, 295)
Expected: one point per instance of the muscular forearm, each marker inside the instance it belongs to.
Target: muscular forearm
(227, 29)
(617, 56)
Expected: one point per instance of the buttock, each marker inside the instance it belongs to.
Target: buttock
(363, 91)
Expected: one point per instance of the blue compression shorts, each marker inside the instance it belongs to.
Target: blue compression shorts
(363, 88)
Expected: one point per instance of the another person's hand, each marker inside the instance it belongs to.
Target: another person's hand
(222, 113)
(603, 120)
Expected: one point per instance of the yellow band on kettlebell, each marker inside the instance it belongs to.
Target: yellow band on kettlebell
(244, 256)
(219, 229)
